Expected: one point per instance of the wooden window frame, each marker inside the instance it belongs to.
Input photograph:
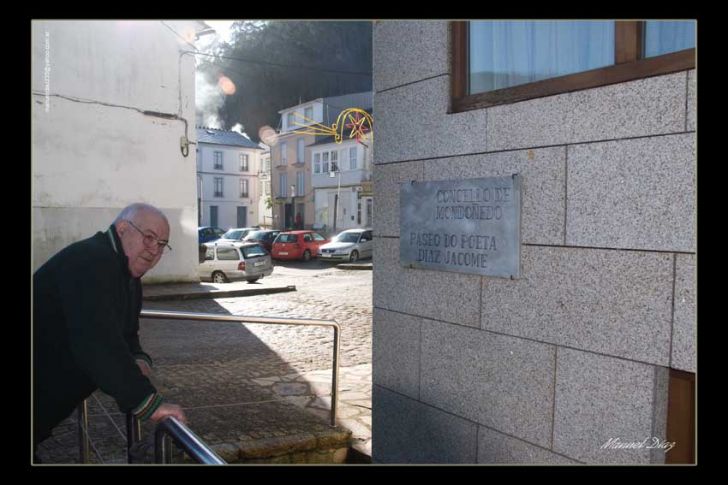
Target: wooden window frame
(628, 66)
(681, 418)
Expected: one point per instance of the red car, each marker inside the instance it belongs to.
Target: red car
(297, 245)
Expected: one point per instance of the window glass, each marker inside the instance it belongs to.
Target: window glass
(283, 185)
(299, 150)
(511, 53)
(300, 188)
(347, 237)
(663, 37)
(254, 251)
(287, 238)
(235, 234)
(227, 254)
(318, 237)
(209, 254)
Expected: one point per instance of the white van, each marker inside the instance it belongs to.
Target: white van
(226, 262)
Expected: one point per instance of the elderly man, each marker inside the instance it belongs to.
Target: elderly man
(86, 304)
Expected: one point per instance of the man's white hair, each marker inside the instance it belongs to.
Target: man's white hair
(129, 212)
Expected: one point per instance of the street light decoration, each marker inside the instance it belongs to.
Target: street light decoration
(358, 121)
(360, 124)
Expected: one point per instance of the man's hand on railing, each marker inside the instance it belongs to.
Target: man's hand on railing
(166, 409)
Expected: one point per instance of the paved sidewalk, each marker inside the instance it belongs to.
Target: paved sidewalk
(312, 392)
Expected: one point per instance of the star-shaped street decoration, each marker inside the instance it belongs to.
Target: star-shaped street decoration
(358, 128)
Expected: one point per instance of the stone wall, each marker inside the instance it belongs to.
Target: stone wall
(548, 367)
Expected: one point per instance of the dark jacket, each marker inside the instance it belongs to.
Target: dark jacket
(86, 310)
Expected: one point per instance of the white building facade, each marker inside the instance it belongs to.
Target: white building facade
(341, 180)
(228, 175)
(113, 109)
(265, 201)
(292, 169)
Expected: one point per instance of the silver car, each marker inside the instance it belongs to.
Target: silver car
(234, 261)
(350, 245)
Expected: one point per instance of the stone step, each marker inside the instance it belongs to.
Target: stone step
(264, 432)
(271, 432)
(328, 446)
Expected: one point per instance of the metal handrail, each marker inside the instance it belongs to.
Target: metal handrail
(171, 427)
(85, 442)
(208, 317)
(132, 423)
(133, 434)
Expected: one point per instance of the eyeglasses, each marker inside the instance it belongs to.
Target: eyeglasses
(150, 241)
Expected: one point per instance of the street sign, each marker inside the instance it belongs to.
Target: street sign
(464, 226)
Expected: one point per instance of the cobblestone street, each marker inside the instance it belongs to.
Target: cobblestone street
(323, 292)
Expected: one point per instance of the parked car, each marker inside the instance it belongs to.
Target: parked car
(237, 234)
(350, 245)
(225, 262)
(208, 233)
(264, 237)
(297, 245)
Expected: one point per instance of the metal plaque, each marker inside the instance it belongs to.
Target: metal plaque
(464, 226)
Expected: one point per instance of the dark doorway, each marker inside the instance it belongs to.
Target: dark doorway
(300, 209)
(242, 216)
(288, 217)
(213, 215)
